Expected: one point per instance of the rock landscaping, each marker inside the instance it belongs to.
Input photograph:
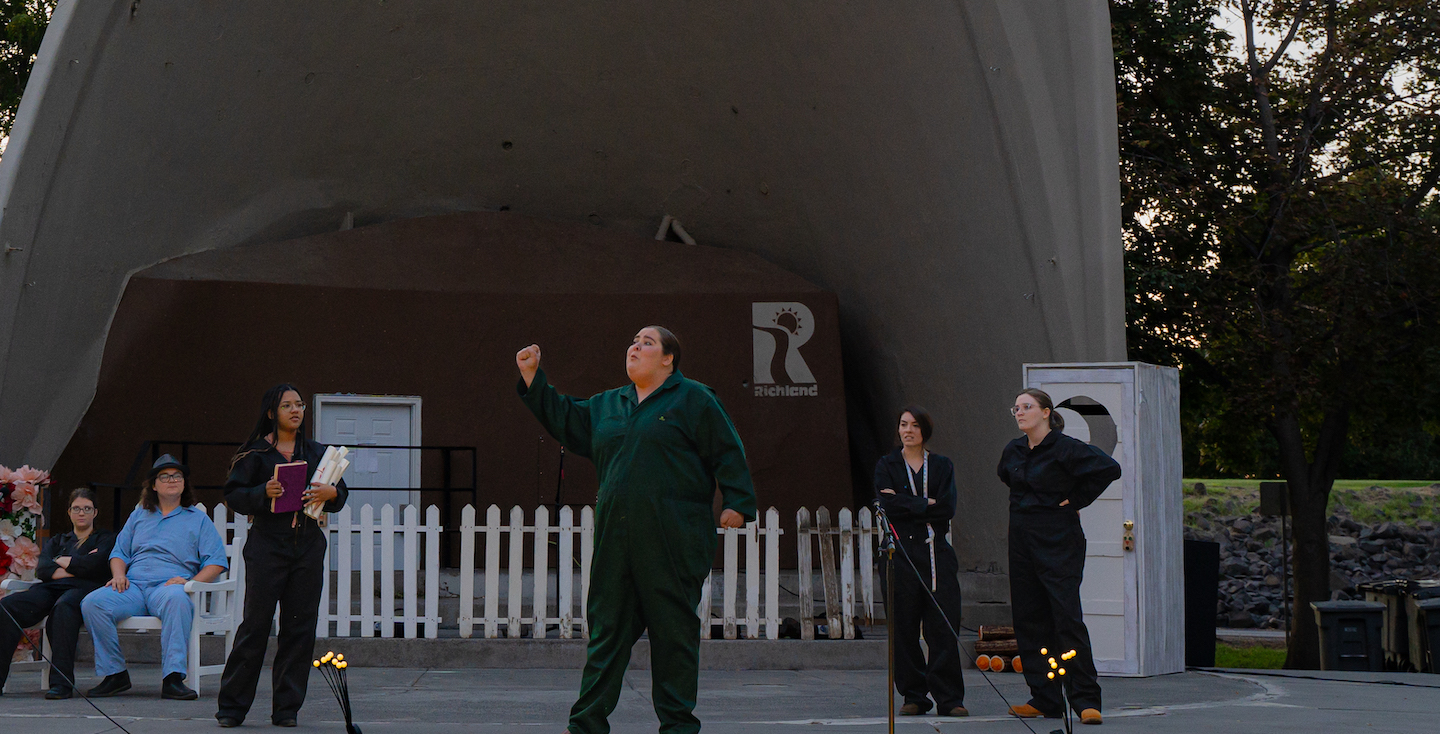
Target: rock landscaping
(1250, 556)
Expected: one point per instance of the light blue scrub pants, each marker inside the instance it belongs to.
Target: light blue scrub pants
(105, 606)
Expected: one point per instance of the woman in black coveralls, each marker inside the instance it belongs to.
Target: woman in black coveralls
(1051, 478)
(71, 565)
(916, 487)
(284, 561)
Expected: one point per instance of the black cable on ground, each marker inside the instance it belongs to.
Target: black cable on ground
(890, 528)
(73, 687)
(1301, 676)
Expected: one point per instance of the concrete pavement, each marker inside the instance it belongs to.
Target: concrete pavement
(496, 701)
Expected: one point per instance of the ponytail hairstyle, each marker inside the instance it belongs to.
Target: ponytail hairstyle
(1042, 399)
(265, 425)
(669, 345)
(80, 493)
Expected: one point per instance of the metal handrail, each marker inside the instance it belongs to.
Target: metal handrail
(153, 447)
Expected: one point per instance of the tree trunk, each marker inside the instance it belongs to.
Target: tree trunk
(1309, 484)
(1311, 572)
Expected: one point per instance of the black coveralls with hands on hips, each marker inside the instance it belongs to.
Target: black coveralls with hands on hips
(57, 601)
(920, 528)
(1047, 560)
(284, 564)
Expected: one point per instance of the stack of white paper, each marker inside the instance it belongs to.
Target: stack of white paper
(332, 468)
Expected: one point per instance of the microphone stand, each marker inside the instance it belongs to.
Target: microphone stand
(887, 545)
(559, 481)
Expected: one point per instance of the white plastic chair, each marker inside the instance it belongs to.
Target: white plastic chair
(217, 604)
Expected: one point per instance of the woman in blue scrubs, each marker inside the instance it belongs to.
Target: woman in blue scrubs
(166, 542)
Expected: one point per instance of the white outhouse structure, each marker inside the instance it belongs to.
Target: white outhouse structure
(1133, 593)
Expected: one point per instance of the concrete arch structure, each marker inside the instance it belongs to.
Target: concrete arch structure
(947, 168)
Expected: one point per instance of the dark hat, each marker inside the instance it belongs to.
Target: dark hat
(168, 462)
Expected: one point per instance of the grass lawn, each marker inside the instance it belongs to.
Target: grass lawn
(1254, 484)
(1227, 656)
(1367, 500)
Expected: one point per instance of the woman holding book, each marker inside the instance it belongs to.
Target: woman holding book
(284, 558)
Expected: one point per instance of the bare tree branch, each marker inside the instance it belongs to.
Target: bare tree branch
(1284, 45)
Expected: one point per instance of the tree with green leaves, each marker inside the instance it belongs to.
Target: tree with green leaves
(24, 27)
(1282, 234)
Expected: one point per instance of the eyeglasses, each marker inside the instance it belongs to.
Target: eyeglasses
(170, 478)
(1022, 408)
(294, 406)
(82, 510)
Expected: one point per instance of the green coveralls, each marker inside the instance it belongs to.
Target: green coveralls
(659, 463)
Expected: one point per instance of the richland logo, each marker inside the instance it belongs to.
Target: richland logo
(786, 391)
(778, 331)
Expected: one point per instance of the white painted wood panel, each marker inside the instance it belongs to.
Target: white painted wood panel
(1133, 600)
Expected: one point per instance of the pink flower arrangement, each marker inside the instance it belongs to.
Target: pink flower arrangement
(24, 555)
(27, 496)
(20, 515)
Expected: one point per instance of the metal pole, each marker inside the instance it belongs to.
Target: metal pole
(890, 631)
(887, 543)
(559, 481)
(1285, 573)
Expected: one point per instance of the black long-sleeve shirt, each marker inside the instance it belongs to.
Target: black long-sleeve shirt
(911, 512)
(245, 489)
(1060, 468)
(89, 561)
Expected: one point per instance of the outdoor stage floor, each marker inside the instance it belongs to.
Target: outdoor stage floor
(398, 700)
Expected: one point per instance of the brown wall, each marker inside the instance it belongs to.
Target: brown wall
(190, 360)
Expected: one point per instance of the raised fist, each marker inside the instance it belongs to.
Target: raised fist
(528, 360)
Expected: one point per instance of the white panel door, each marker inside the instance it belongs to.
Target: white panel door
(358, 425)
(355, 423)
(1109, 591)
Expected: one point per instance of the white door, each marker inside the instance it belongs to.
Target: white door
(358, 425)
(1109, 591)
(358, 421)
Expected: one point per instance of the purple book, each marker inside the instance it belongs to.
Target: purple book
(292, 478)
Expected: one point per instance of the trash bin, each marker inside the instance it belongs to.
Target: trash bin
(1422, 626)
(1350, 634)
(1428, 612)
(1394, 633)
(1202, 594)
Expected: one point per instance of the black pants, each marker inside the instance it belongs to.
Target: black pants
(942, 676)
(288, 571)
(60, 600)
(1047, 563)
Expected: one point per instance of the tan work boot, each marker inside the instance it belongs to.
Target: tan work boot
(1090, 716)
(958, 711)
(1026, 711)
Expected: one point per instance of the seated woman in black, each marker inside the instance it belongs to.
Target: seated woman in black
(71, 566)
(917, 489)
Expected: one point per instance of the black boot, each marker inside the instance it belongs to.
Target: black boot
(113, 684)
(58, 692)
(174, 688)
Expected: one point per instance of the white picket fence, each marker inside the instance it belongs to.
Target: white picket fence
(754, 619)
(569, 569)
(857, 545)
(406, 549)
(376, 542)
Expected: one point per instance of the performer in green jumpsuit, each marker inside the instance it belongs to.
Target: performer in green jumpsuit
(660, 446)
